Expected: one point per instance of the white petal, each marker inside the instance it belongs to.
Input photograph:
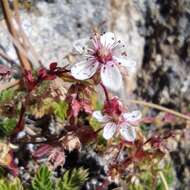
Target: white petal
(128, 132)
(107, 39)
(101, 118)
(109, 130)
(80, 46)
(84, 70)
(128, 63)
(133, 116)
(111, 77)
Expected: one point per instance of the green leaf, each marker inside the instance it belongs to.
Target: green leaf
(42, 179)
(168, 173)
(1, 172)
(145, 178)
(136, 187)
(94, 123)
(11, 185)
(60, 109)
(7, 125)
(72, 180)
(50, 106)
(145, 129)
(6, 95)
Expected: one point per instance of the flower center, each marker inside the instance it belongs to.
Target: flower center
(103, 55)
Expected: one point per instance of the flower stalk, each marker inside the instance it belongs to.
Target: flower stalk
(105, 92)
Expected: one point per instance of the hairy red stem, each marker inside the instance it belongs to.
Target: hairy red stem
(105, 91)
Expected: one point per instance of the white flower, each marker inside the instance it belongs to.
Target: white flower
(103, 53)
(125, 125)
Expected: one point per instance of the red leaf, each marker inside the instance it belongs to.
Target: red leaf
(50, 77)
(6, 159)
(86, 107)
(148, 120)
(42, 151)
(139, 155)
(4, 70)
(86, 134)
(168, 117)
(75, 107)
(29, 79)
(53, 66)
(42, 73)
(13, 168)
(57, 157)
(20, 124)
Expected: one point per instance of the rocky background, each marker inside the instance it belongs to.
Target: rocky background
(157, 35)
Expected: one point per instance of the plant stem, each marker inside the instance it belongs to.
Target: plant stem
(163, 180)
(121, 146)
(105, 91)
(158, 107)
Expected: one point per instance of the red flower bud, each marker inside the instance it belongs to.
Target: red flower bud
(113, 107)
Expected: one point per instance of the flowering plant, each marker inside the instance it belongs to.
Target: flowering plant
(57, 112)
(116, 120)
(102, 54)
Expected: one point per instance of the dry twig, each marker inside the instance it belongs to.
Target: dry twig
(8, 15)
(13, 84)
(158, 107)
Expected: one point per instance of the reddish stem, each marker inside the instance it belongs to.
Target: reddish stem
(120, 149)
(21, 122)
(105, 91)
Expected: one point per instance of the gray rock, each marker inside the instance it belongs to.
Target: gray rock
(53, 27)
